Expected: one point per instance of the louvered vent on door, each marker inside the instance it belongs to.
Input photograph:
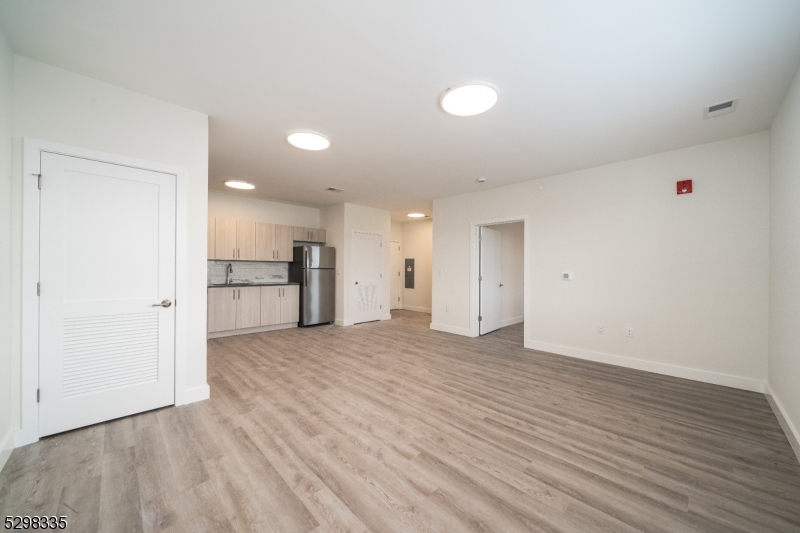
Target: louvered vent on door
(109, 352)
(367, 298)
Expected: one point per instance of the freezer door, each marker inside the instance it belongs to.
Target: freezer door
(317, 296)
(315, 256)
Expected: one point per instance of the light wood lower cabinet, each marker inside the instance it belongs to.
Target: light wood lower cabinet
(248, 307)
(232, 308)
(280, 305)
(290, 304)
(270, 306)
(221, 309)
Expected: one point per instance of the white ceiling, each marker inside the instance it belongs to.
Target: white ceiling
(582, 83)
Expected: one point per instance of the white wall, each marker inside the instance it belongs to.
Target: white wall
(9, 390)
(512, 252)
(784, 312)
(689, 273)
(55, 105)
(332, 219)
(230, 206)
(397, 231)
(417, 244)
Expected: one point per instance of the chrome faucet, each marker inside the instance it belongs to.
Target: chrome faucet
(228, 272)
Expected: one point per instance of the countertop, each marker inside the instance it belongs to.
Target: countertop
(258, 284)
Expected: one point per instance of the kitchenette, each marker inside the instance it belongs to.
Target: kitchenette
(264, 277)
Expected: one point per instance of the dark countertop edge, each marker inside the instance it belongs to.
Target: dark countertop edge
(275, 284)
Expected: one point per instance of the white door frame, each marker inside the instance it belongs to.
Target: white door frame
(474, 268)
(400, 282)
(31, 168)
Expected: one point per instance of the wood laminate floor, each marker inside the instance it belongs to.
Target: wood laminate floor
(392, 427)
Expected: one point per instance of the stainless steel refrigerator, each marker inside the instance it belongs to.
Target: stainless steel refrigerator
(314, 268)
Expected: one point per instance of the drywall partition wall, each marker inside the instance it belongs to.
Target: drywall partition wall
(9, 369)
(55, 105)
(332, 219)
(397, 231)
(369, 220)
(784, 313)
(231, 206)
(689, 273)
(418, 245)
(513, 257)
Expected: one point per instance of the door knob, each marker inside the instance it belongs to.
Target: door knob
(164, 303)
(356, 283)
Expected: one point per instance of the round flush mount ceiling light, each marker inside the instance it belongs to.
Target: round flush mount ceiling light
(239, 184)
(469, 98)
(308, 140)
(416, 215)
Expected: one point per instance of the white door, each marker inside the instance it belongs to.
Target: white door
(490, 284)
(396, 275)
(106, 346)
(368, 274)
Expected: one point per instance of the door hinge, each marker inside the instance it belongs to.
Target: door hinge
(38, 288)
(398, 298)
(38, 181)
(480, 319)
(480, 278)
(38, 395)
(381, 275)
(480, 237)
(381, 307)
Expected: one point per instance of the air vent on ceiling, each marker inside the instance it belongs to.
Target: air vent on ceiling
(334, 189)
(722, 108)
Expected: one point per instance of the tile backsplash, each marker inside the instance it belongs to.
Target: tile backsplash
(254, 271)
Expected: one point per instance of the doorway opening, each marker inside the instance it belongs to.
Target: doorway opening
(500, 279)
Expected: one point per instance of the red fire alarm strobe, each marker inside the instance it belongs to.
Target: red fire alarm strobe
(685, 187)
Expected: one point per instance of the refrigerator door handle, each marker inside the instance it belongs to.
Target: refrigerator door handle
(305, 258)
(305, 277)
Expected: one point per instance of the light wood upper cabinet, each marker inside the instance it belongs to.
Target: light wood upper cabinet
(230, 239)
(301, 234)
(248, 307)
(270, 306)
(221, 309)
(224, 238)
(290, 304)
(245, 240)
(211, 239)
(284, 243)
(265, 242)
(309, 234)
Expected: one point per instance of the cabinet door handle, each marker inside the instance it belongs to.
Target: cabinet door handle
(240, 294)
(234, 253)
(234, 294)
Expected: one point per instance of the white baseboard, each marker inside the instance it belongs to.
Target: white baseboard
(245, 331)
(417, 309)
(343, 322)
(197, 394)
(451, 329)
(706, 376)
(6, 447)
(511, 321)
(387, 316)
(792, 435)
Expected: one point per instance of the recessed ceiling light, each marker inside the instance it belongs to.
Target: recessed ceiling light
(308, 140)
(239, 184)
(469, 98)
(416, 215)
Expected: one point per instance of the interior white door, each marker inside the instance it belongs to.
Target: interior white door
(490, 284)
(368, 274)
(396, 275)
(106, 345)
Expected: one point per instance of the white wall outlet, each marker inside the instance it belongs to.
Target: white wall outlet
(566, 276)
(629, 332)
(600, 329)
